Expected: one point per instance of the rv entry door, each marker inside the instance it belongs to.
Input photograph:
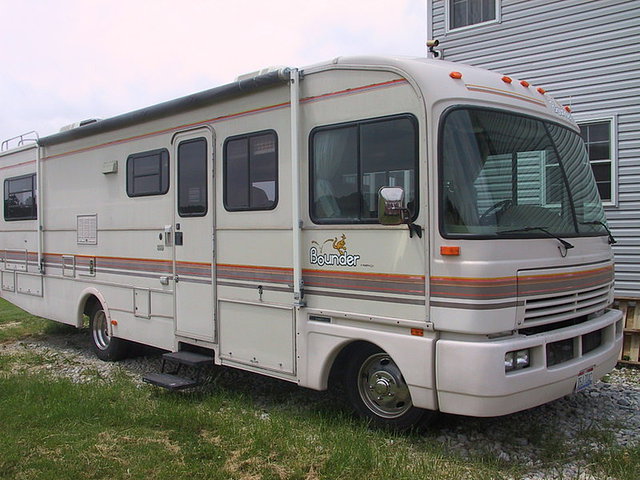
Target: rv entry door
(194, 264)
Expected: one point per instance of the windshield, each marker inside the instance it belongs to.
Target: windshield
(508, 175)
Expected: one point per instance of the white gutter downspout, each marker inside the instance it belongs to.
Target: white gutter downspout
(39, 207)
(296, 222)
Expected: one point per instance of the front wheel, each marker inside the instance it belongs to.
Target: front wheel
(107, 348)
(378, 392)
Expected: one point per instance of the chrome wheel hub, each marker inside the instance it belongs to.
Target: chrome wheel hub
(382, 387)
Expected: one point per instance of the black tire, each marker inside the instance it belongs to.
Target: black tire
(378, 392)
(107, 348)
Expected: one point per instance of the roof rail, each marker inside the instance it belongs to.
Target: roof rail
(20, 140)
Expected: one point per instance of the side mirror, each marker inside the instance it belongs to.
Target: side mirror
(391, 208)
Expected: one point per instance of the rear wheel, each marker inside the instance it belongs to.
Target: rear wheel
(378, 392)
(107, 348)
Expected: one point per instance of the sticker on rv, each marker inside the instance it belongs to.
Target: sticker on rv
(338, 256)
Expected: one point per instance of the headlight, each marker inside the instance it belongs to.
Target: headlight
(517, 360)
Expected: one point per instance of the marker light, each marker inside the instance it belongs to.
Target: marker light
(452, 251)
(114, 322)
(541, 90)
(506, 79)
(524, 83)
(567, 108)
(456, 75)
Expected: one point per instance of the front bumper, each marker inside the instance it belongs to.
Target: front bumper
(471, 379)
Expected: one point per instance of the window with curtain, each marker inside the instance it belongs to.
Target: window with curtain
(351, 162)
(251, 172)
(463, 13)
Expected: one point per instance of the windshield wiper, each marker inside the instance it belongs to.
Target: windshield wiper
(612, 240)
(564, 243)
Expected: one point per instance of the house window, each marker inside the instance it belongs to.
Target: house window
(598, 136)
(148, 173)
(20, 195)
(351, 162)
(251, 172)
(463, 13)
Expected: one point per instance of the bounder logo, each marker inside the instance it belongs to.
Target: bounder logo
(317, 256)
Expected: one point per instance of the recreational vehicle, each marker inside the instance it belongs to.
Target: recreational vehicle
(431, 233)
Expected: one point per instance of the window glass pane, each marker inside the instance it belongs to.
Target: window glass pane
(602, 172)
(264, 170)
(148, 173)
(351, 163)
(599, 132)
(335, 172)
(251, 172)
(192, 178)
(508, 175)
(20, 198)
(470, 12)
(598, 151)
(237, 174)
(387, 151)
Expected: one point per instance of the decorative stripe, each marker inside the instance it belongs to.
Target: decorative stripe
(504, 93)
(476, 306)
(355, 296)
(18, 165)
(564, 282)
(522, 286)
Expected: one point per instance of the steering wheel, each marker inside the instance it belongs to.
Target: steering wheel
(496, 210)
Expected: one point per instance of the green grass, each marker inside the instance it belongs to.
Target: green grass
(52, 428)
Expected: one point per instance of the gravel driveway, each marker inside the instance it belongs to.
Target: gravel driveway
(606, 413)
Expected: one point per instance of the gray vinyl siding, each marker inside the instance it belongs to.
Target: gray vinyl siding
(586, 53)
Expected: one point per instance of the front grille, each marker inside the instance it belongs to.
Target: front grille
(559, 308)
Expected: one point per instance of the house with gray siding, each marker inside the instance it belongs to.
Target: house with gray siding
(586, 53)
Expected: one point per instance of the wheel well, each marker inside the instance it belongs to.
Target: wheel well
(89, 304)
(338, 367)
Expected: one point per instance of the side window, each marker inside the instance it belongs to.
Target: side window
(350, 163)
(192, 178)
(598, 136)
(148, 173)
(20, 194)
(251, 172)
(464, 13)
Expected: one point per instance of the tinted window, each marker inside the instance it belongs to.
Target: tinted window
(350, 163)
(148, 173)
(20, 198)
(251, 172)
(192, 178)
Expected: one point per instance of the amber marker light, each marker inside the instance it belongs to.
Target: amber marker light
(506, 79)
(541, 90)
(524, 83)
(417, 332)
(456, 75)
(114, 322)
(450, 251)
(567, 108)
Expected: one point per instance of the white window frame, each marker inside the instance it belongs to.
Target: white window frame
(613, 132)
(448, 14)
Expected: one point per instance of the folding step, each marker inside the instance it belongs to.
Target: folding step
(191, 359)
(171, 382)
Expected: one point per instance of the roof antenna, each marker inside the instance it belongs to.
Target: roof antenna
(432, 44)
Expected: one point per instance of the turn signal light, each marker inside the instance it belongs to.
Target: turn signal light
(452, 251)
(456, 75)
(541, 90)
(524, 83)
(114, 322)
(417, 332)
(567, 108)
(506, 79)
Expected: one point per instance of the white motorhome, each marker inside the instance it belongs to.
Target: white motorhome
(429, 231)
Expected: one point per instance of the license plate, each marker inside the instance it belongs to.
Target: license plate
(585, 379)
